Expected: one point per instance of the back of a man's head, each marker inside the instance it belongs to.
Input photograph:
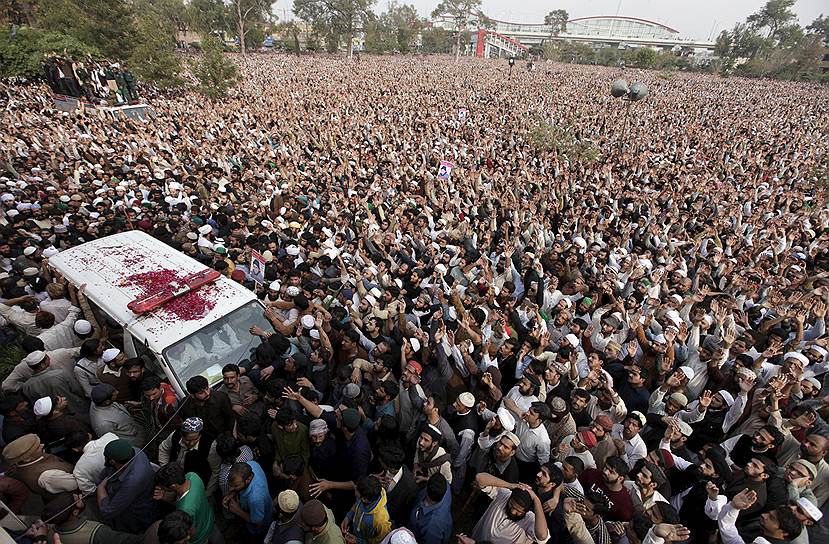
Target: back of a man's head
(436, 487)
(170, 474)
(174, 527)
(369, 488)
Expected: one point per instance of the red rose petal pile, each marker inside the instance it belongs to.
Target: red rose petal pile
(187, 307)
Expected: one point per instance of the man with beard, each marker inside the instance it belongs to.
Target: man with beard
(713, 469)
(432, 409)
(709, 429)
(410, 398)
(430, 458)
(515, 516)
(497, 424)
(499, 459)
(323, 450)
(763, 441)
(399, 483)
(753, 477)
(610, 482)
(464, 424)
(648, 486)
(548, 486)
(212, 407)
(522, 395)
(814, 450)
(560, 424)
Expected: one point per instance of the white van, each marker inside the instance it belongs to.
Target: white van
(181, 317)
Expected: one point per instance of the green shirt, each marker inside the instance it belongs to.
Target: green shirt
(194, 502)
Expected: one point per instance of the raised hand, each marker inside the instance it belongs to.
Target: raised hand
(744, 499)
(671, 533)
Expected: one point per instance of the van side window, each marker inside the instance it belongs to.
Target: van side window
(151, 363)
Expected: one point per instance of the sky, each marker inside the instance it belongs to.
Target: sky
(693, 18)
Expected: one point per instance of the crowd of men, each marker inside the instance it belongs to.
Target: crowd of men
(534, 348)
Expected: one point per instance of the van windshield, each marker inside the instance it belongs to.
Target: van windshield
(227, 340)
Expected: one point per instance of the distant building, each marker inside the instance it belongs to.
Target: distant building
(600, 31)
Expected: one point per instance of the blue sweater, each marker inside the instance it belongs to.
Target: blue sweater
(432, 524)
(255, 499)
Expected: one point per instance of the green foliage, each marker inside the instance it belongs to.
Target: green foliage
(557, 19)
(333, 19)
(215, 73)
(10, 356)
(820, 28)
(153, 57)
(249, 16)
(466, 14)
(565, 51)
(394, 30)
(105, 25)
(770, 43)
(773, 17)
(22, 56)
(645, 57)
(546, 137)
(435, 40)
(206, 16)
(17, 12)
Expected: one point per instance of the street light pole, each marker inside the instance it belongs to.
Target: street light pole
(637, 91)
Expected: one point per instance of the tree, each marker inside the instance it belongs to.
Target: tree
(722, 47)
(557, 21)
(246, 14)
(17, 12)
(775, 15)
(208, 16)
(545, 136)
(153, 57)
(645, 57)
(21, 55)
(820, 28)
(435, 40)
(406, 23)
(335, 18)
(215, 73)
(379, 36)
(106, 25)
(465, 14)
(288, 32)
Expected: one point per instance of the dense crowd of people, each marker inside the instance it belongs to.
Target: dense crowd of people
(540, 348)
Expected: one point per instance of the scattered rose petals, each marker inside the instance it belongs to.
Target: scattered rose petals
(188, 307)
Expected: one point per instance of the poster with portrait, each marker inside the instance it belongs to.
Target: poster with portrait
(257, 267)
(445, 170)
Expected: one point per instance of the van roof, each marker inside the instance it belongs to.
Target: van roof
(123, 267)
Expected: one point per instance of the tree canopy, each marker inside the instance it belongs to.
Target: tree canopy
(771, 43)
(333, 20)
(465, 14)
(557, 20)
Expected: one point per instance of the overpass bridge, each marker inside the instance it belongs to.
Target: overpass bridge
(604, 30)
(508, 39)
